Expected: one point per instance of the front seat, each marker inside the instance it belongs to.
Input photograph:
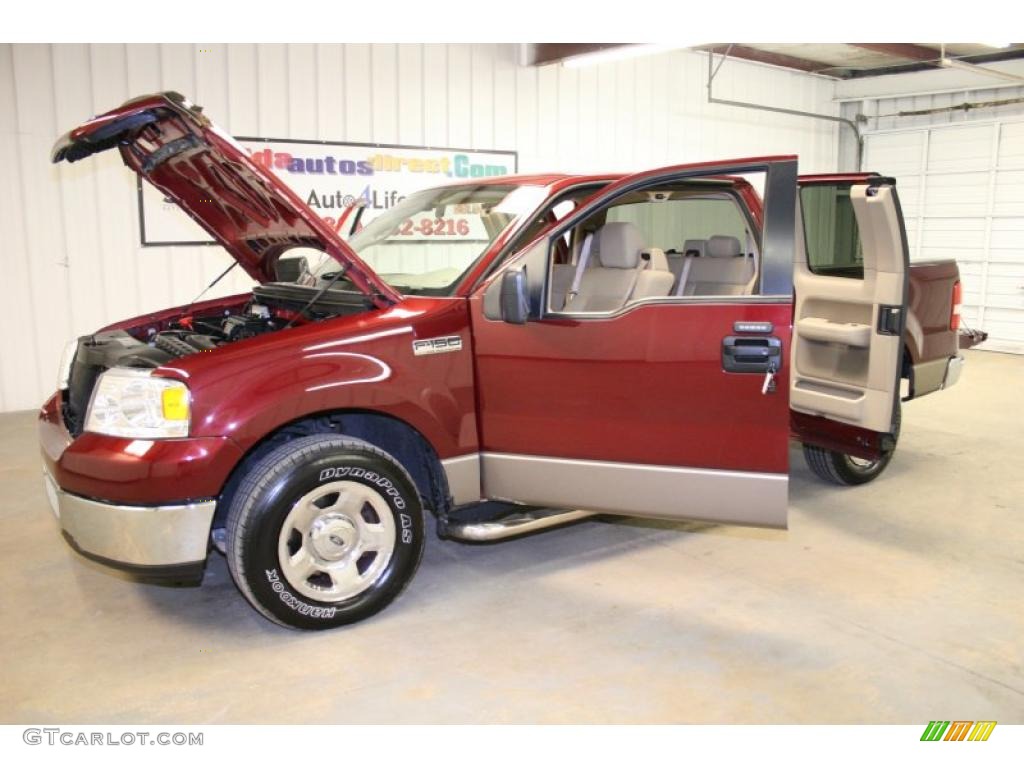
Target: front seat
(619, 269)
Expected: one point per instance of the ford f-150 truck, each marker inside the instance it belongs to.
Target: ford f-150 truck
(506, 354)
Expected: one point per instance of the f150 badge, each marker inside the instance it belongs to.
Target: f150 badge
(436, 346)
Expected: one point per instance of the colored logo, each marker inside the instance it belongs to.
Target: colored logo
(457, 166)
(958, 730)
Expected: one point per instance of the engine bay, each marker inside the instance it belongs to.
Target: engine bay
(202, 334)
(272, 307)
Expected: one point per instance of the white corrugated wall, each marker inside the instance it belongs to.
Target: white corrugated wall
(71, 260)
(961, 179)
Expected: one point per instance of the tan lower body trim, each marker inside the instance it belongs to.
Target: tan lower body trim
(463, 473)
(641, 490)
(928, 377)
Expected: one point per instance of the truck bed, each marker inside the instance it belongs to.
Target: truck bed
(931, 338)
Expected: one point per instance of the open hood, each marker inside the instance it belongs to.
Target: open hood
(246, 208)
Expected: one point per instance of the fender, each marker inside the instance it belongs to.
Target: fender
(251, 388)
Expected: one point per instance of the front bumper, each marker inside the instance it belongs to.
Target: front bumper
(163, 542)
(143, 506)
(134, 473)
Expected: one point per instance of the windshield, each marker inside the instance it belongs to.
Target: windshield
(428, 241)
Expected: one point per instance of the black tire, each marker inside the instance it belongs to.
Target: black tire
(843, 469)
(270, 492)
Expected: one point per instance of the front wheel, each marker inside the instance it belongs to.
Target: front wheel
(843, 469)
(324, 531)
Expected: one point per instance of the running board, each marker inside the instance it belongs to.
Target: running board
(514, 524)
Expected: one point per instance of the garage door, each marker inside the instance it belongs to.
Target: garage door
(962, 189)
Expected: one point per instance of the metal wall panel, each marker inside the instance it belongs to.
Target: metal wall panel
(72, 261)
(964, 185)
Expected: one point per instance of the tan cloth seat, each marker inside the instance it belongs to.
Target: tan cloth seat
(677, 259)
(695, 247)
(656, 279)
(724, 270)
(561, 281)
(622, 269)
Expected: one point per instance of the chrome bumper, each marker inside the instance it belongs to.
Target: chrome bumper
(954, 367)
(157, 540)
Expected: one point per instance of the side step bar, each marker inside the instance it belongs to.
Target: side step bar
(513, 524)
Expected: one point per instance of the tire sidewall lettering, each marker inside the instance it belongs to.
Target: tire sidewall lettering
(375, 478)
(299, 606)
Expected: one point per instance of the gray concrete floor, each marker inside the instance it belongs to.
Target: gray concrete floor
(898, 602)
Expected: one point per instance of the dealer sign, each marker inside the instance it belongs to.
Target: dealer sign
(333, 176)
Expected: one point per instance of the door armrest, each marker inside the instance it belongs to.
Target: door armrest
(820, 329)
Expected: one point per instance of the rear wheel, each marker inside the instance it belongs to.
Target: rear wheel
(843, 469)
(324, 531)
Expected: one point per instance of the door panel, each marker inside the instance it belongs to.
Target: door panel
(645, 387)
(850, 278)
(633, 412)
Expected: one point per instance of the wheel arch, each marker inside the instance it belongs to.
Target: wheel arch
(393, 435)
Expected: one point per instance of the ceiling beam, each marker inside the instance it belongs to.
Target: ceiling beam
(916, 80)
(551, 53)
(911, 51)
(921, 66)
(767, 57)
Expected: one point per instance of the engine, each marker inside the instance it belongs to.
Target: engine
(202, 334)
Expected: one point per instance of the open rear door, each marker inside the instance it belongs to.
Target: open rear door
(850, 276)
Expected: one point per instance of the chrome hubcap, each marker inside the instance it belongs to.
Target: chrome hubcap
(332, 536)
(862, 465)
(336, 541)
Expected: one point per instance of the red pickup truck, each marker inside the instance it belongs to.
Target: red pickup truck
(496, 352)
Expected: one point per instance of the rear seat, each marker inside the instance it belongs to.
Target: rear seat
(723, 270)
(718, 267)
(676, 259)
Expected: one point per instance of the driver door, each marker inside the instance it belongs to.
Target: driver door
(671, 406)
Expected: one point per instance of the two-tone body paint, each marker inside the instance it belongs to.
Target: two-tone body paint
(243, 392)
(635, 402)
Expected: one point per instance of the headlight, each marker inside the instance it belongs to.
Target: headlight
(131, 403)
(66, 359)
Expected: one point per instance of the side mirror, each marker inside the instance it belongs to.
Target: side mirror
(515, 302)
(515, 295)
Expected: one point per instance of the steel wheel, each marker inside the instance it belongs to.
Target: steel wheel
(336, 541)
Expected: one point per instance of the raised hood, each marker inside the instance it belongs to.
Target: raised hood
(247, 209)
